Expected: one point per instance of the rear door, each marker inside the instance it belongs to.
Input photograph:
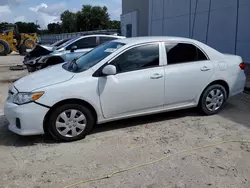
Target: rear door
(83, 46)
(187, 72)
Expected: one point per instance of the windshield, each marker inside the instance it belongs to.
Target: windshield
(94, 56)
(59, 43)
(66, 43)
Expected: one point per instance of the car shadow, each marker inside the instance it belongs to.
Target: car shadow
(7, 138)
(237, 110)
(138, 121)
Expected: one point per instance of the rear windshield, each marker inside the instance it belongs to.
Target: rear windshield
(94, 56)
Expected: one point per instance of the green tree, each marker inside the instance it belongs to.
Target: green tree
(114, 24)
(54, 28)
(89, 18)
(27, 27)
(68, 21)
(3, 25)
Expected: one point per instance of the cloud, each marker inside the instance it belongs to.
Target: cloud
(54, 9)
(5, 12)
(48, 14)
(19, 19)
(11, 2)
(38, 8)
(5, 9)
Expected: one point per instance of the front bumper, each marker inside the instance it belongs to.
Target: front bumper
(31, 117)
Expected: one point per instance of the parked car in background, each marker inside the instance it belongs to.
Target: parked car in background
(122, 79)
(60, 42)
(44, 56)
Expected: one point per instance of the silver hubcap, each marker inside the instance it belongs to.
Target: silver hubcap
(214, 100)
(71, 123)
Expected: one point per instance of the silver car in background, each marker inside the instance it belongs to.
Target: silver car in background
(43, 56)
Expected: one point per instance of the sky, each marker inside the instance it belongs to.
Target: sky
(48, 11)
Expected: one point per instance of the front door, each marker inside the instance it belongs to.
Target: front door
(187, 72)
(138, 86)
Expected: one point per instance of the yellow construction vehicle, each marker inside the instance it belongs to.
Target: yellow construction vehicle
(12, 40)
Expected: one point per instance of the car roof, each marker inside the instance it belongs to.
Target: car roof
(210, 52)
(139, 40)
(101, 35)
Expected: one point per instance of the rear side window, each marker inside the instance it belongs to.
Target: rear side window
(137, 58)
(106, 39)
(182, 53)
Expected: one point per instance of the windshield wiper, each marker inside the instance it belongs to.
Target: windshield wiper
(73, 63)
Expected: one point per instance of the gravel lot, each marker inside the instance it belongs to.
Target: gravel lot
(40, 162)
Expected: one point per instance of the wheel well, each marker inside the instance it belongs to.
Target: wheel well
(68, 101)
(220, 82)
(54, 60)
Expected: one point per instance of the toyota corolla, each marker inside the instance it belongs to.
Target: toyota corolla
(122, 79)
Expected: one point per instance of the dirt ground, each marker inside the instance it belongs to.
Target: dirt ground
(39, 162)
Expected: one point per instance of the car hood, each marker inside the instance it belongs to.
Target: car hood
(43, 78)
(49, 48)
(40, 50)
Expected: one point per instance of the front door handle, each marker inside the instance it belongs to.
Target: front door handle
(156, 76)
(205, 68)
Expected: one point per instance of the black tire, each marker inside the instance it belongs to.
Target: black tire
(22, 50)
(26, 41)
(5, 48)
(54, 115)
(203, 103)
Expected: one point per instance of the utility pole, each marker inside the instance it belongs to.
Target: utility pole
(208, 20)
(237, 24)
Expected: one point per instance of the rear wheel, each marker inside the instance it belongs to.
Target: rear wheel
(213, 99)
(4, 48)
(29, 44)
(70, 122)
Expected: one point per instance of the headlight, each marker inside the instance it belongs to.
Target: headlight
(23, 98)
(43, 59)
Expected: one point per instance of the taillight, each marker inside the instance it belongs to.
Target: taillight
(242, 66)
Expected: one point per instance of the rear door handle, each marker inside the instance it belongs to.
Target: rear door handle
(205, 68)
(156, 76)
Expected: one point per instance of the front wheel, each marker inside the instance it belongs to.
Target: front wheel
(70, 122)
(213, 99)
(22, 50)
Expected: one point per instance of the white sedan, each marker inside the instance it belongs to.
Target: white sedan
(122, 79)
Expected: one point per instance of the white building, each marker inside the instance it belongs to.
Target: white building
(222, 24)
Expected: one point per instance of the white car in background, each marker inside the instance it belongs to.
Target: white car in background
(122, 79)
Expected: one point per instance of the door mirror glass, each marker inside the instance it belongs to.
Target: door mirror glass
(73, 48)
(109, 70)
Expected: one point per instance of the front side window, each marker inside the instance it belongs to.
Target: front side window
(66, 44)
(141, 57)
(89, 42)
(182, 53)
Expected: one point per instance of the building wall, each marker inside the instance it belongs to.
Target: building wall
(222, 24)
(141, 7)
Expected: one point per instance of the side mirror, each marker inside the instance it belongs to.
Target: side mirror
(109, 70)
(73, 48)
